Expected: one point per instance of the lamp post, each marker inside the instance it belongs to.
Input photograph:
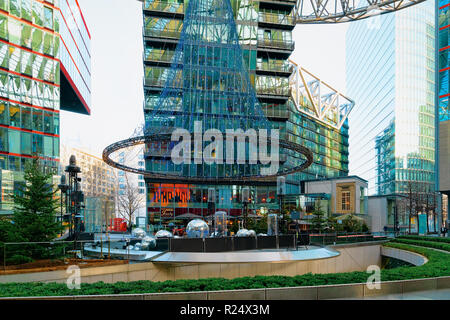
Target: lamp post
(395, 220)
(75, 196)
(281, 191)
(63, 187)
(245, 200)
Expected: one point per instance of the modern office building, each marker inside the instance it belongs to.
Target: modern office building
(131, 187)
(264, 30)
(442, 95)
(44, 68)
(390, 71)
(98, 184)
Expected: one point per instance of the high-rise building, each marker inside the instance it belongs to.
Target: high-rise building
(390, 70)
(264, 30)
(442, 95)
(44, 68)
(131, 187)
(98, 184)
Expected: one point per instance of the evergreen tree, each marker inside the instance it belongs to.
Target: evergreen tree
(35, 210)
(318, 222)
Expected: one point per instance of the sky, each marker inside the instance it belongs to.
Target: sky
(117, 70)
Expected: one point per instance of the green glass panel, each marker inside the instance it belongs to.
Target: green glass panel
(38, 13)
(26, 118)
(4, 113)
(14, 141)
(26, 10)
(14, 115)
(48, 146)
(3, 139)
(37, 43)
(48, 17)
(48, 44)
(4, 4)
(26, 35)
(14, 7)
(4, 27)
(4, 56)
(37, 120)
(56, 147)
(26, 139)
(37, 144)
(48, 122)
(15, 31)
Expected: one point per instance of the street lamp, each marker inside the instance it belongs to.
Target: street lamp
(63, 187)
(281, 191)
(75, 195)
(245, 200)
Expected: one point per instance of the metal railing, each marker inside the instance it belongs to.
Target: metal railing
(275, 66)
(273, 90)
(276, 113)
(279, 44)
(26, 255)
(343, 237)
(165, 34)
(160, 57)
(276, 18)
(162, 6)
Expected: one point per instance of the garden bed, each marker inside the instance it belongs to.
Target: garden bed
(438, 265)
(53, 265)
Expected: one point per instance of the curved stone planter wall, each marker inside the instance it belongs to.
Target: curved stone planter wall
(407, 256)
(351, 258)
(358, 290)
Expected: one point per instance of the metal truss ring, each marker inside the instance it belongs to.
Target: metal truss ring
(325, 11)
(172, 178)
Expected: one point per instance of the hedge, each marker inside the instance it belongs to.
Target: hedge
(438, 265)
(428, 244)
(425, 238)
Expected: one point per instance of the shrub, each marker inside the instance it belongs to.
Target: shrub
(438, 265)
(425, 238)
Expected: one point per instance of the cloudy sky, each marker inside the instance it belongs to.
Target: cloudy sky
(117, 71)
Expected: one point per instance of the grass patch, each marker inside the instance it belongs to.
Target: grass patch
(426, 243)
(425, 238)
(438, 265)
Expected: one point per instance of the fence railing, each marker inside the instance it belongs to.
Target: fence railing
(343, 237)
(46, 254)
(226, 244)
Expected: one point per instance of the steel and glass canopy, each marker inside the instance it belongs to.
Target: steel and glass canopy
(328, 11)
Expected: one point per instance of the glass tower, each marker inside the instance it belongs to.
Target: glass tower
(390, 74)
(264, 34)
(443, 17)
(44, 68)
(443, 93)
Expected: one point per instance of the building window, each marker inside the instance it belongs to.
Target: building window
(346, 200)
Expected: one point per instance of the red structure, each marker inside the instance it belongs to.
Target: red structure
(119, 225)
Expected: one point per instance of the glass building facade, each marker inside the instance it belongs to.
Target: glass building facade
(264, 30)
(44, 68)
(443, 19)
(390, 70)
(443, 93)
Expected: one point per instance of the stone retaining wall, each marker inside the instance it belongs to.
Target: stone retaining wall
(351, 258)
(358, 290)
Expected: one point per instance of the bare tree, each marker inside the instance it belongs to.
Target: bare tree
(129, 200)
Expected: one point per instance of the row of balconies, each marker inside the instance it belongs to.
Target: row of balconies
(276, 91)
(275, 66)
(174, 35)
(174, 9)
